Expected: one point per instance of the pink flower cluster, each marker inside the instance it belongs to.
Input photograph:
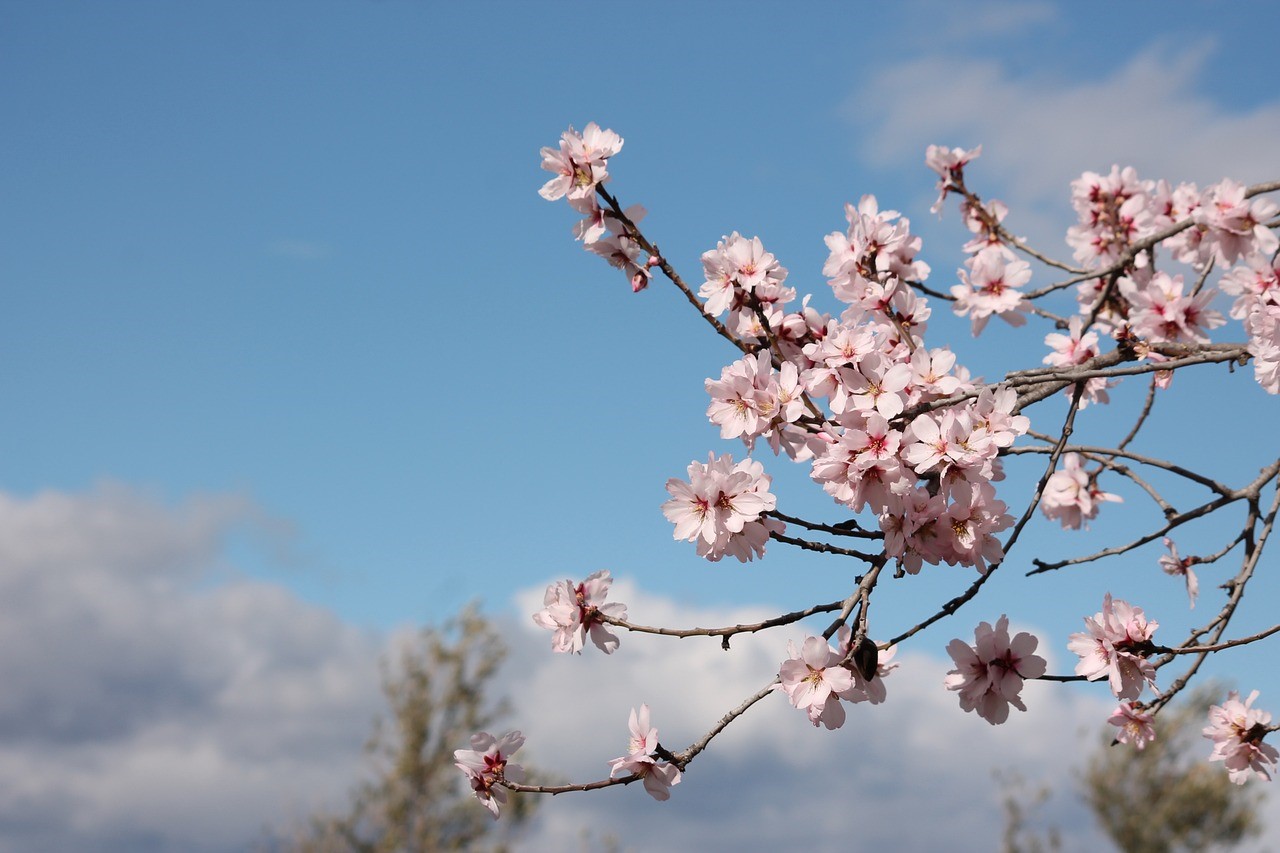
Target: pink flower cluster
(1160, 313)
(1237, 729)
(580, 166)
(721, 508)
(989, 288)
(1071, 495)
(573, 611)
(816, 677)
(1115, 645)
(928, 479)
(641, 758)
(989, 674)
(1256, 286)
(744, 279)
(750, 399)
(1225, 227)
(488, 763)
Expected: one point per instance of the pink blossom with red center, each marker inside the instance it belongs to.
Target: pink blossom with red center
(1237, 729)
(721, 507)
(573, 611)
(989, 674)
(1135, 726)
(1115, 645)
(990, 288)
(949, 163)
(488, 763)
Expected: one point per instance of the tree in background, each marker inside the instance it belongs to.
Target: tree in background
(1164, 797)
(438, 691)
(1159, 799)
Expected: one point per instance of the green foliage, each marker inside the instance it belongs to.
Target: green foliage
(436, 691)
(1020, 803)
(1167, 797)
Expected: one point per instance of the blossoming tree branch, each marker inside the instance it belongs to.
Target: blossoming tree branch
(913, 448)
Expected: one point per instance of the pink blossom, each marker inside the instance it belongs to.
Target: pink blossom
(721, 506)
(913, 530)
(969, 525)
(878, 245)
(573, 610)
(1175, 565)
(487, 764)
(579, 162)
(1236, 226)
(931, 375)
(1160, 313)
(640, 758)
(1115, 645)
(1237, 729)
(949, 163)
(989, 674)
(749, 399)
(621, 251)
(984, 221)
(737, 267)
(1075, 348)
(811, 677)
(1071, 495)
(990, 288)
(1113, 213)
(1135, 725)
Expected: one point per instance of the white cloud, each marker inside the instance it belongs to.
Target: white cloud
(986, 20)
(148, 708)
(1038, 133)
(911, 774)
(299, 250)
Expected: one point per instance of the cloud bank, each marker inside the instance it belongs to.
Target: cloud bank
(1039, 133)
(157, 701)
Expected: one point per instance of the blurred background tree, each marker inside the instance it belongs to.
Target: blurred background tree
(1166, 797)
(437, 690)
(1160, 799)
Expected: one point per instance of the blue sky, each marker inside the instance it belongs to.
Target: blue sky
(277, 277)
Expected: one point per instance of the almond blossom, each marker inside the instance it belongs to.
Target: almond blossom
(1113, 214)
(1075, 348)
(1071, 494)
(1236, 226)
(579, 162)
(487, 764)
(989, 674)
(1237, 729)
(640, 759)
(1180, 566)
(990, 288)
(1160, 313)
(573, 611)
(811, 677)
(949, 163)
(1135, 725)
(721, 508)
(1115, 645)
